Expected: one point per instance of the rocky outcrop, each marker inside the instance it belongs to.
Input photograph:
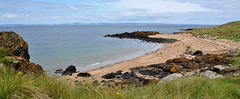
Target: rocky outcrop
(143, 35)
(13, 43)
(189, 29)
(210, 65)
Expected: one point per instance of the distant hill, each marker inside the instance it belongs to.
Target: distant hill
(78, 23)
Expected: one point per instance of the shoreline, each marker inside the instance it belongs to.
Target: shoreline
(121, 58)
(169, 51)
(100, 64)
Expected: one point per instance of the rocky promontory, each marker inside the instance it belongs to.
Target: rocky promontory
(18, 57)
(143, 36)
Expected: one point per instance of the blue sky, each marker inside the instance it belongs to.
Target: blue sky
(119, 11)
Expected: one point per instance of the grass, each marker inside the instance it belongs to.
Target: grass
(3, 54)
(229, 31)
(236, 62)
(14, 85)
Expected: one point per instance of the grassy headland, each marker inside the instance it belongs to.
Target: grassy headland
(229, 31)
(18, 85)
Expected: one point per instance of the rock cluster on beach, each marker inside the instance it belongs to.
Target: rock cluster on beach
(189, 29)
(209, 65)
(190, 62)
(142, 35)
(19, 49)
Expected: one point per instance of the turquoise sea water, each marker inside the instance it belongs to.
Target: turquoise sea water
(84, 46)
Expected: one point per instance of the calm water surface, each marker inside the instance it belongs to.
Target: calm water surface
(84, 46)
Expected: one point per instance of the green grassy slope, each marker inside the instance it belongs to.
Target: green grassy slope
(229, 31)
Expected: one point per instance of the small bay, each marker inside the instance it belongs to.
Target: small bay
(84, 46)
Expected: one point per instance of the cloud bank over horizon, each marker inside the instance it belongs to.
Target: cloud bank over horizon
(119, 11)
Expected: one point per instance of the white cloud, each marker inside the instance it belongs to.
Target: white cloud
(9, 16)
(173, 11)
(157, 6)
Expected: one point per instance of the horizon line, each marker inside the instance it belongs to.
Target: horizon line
(79, 23)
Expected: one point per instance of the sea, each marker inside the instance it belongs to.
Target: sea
(59, 46)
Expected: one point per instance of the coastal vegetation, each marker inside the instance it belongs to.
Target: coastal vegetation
(17, 85)
(3, 54)
(229, 31)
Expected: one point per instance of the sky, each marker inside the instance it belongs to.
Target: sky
(119, 11)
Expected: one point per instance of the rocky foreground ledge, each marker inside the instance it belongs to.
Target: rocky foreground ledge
(209, 65)
(18, 58)
(143, 36)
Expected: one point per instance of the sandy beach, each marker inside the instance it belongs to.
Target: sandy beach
(170, 50)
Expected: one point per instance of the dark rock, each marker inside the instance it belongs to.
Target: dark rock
(58, 71)
(188, 29)
(143, 35)
(167, 69)
(109, 76)
(70, 69)
(162, 75)
(178, 32)
(146, 81)
(140, 79)
(119, 72)
(84, 75)
(133, 74)
(126, 75)
(151, 71)
(198, 52)
(70, 74)
(178, 60)
(136, 68)
(103, 81)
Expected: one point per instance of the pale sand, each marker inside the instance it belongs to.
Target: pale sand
(170, 50)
